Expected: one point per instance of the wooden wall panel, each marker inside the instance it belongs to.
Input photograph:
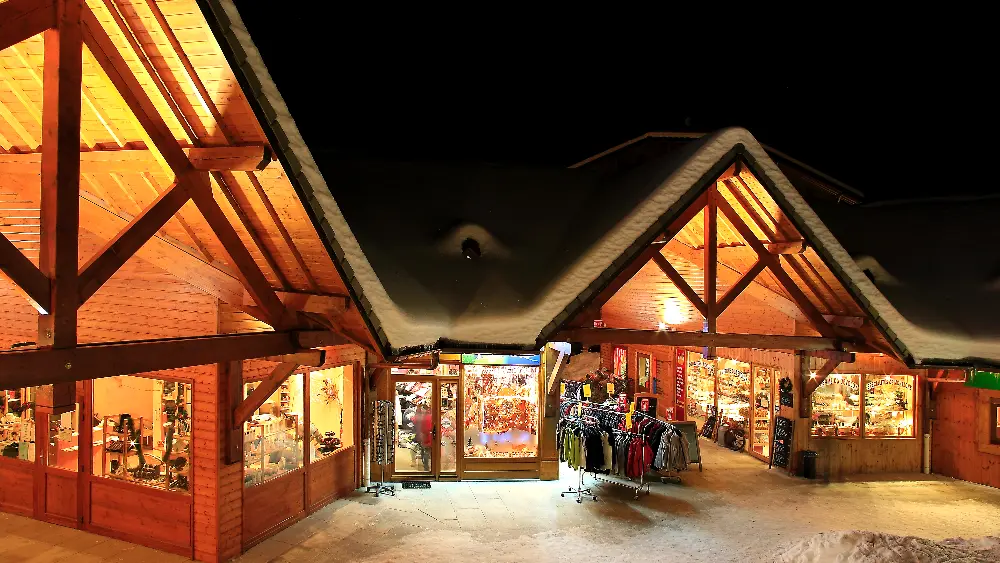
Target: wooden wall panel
(61, 495)
(17, 486)
(332, 477)
(205, 453)
(141, 515)
(838, 458)
(267, 507)
(956, 450)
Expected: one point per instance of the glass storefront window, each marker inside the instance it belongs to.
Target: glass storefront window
(64, 440)
(888, 406)
(142, 428)
(17, 424)
(501, 411)
(836, 407)
(272, 438)
(642, 361)
(734, 391)
(700, 387)
(995, 421)
(331, 418)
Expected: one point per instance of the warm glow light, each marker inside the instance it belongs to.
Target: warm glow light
(812, 375)
(662, 326)
(672, 313)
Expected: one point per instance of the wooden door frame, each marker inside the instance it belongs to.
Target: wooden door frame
(433, 380)
(459, 427)
(770, 411)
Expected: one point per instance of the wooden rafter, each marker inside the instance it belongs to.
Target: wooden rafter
(814, 380)
(737, 288)
(59, 208)
(285, 236)
(25, 368)
(241, 210)
(25, 276)
(254, 280)
(705, 339)
(141, 161)
(771, 261)
(264, 389)
(681, 284)
(119, 249)
(21, 19)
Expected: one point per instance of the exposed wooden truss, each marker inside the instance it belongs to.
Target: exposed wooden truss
(264, 389)
(707, 339)
(25, 368)
(140, 161)
(731, 218)
(20, 19)
(57, 287)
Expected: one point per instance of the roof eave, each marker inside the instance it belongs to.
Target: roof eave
(221, 26)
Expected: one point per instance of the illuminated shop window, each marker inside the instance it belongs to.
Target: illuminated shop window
(17, 423)
(501, 411)
(700, 387)
(331, 420)
(888, 406)
(734, 391)
(272, 438)
(63, 448)
(143, 429)
(836, 407)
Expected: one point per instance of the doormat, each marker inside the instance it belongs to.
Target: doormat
(416, 484)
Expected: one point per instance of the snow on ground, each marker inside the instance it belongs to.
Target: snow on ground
(869, 547)
(736, 510)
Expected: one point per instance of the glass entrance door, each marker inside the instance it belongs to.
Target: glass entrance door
(415, 428)
(426, 428)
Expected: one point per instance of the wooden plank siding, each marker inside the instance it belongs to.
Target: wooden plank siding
(959, 447)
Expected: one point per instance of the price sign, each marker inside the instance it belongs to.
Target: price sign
(586, 391)
(680, 383)
(562, 388)
(611, 388)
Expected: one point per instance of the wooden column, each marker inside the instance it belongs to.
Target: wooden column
(710, 267)
(59, 211)
(231, 395)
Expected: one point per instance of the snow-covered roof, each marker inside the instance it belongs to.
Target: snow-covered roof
(551, 239)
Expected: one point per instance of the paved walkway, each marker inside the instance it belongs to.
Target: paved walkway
(736, 510)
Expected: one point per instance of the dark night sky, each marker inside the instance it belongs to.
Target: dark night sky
(891, 128)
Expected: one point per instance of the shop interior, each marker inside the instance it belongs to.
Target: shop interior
(309, 418)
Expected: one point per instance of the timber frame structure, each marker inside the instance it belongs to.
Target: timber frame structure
(152, 167)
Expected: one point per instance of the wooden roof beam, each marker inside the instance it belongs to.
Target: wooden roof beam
(28, 279)
(680, 283)
(810, 311)
(138, 161)
(43, 366)
(105, 262)
(705, 339)
(21, 19)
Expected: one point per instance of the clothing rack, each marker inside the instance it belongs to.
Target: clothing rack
(638, 487)
(384, 430)
(580, 491)
(671, 475)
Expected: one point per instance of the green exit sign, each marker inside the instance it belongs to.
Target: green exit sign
(984, 380)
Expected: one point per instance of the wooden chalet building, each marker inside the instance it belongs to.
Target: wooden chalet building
(198, 318)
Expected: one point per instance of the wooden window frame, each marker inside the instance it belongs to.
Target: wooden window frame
(987, 402)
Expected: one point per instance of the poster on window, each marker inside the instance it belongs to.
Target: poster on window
(680, 384)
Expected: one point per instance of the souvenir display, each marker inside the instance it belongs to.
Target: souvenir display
(17, 424)
(836, 407)
(331, 421)
(889, 406)
(272, 438)
(143, 430)
(501, 411)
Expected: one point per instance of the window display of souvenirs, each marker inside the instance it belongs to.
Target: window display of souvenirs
(889, 406)
(17, 424)
(700, 386)
(734, 391)
(501, 411)
(836, 406)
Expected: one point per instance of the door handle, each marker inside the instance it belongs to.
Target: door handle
(434, 430)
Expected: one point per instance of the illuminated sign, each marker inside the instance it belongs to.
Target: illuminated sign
(502, 359)
(680, 385)
(904, 383)
(620, 361)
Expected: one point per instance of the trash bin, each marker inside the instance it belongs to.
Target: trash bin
(809, 464)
